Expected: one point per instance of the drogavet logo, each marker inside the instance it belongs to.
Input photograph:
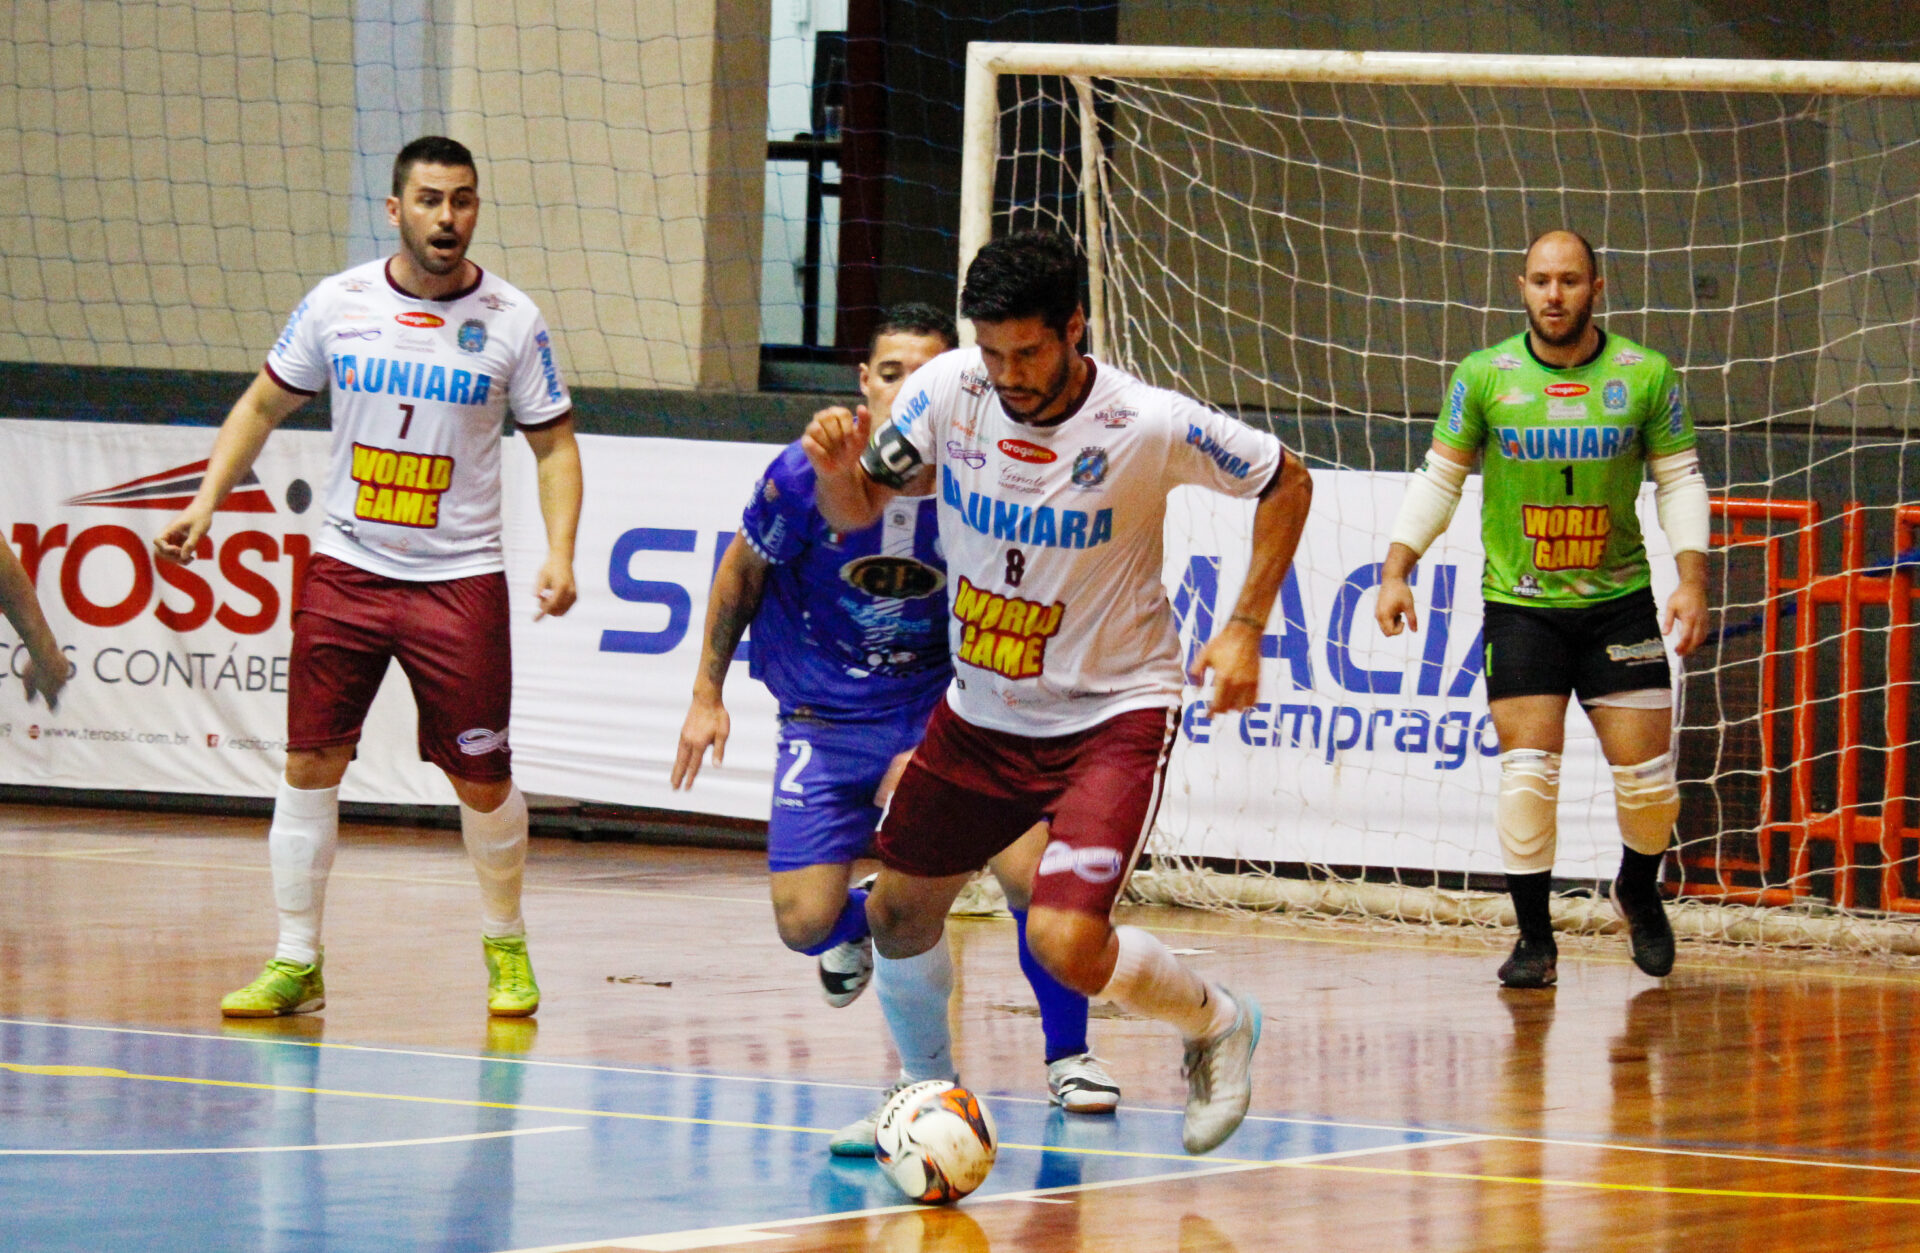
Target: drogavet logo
(1566, 389)
(429, 319)
(1021, 450)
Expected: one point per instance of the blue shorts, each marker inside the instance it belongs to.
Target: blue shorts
(823, 784)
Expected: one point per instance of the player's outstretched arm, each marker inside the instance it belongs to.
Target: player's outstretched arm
(738, 586)
(262, 407)
(847, 496)
(1233, 654)
(1432, 495)
(556, 455)
(46, 670)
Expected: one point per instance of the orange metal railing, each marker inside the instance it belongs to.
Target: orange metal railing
(1794, 587)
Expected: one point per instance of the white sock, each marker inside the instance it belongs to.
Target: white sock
(1150, 981)
(300, 846)
(913, 993)
(497, 842)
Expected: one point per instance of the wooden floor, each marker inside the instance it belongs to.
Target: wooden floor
(1750, 1102)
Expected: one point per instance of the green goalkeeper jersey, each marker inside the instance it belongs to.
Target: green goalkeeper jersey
(1565, 453)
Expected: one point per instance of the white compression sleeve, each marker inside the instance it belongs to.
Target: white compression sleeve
(1433, 493)
(1680, 498)
(914, 992)
(497, 843)
(300, 846)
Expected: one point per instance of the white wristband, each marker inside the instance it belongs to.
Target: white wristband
(1433, 493)
(1680, 500)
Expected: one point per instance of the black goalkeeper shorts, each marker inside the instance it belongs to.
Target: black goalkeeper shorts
(1591, 651)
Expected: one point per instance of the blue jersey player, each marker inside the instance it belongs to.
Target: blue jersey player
(850, 634)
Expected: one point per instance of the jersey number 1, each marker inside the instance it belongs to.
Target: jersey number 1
(1566, 472)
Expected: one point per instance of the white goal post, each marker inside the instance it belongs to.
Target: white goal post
(1312, 239)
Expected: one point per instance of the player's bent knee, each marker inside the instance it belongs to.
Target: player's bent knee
(311, 769)
(803, 926)
(899, 931)
(1527, 810)
(1072, 947)
(1647, 799)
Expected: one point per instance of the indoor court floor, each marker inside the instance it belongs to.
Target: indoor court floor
(679, 1084)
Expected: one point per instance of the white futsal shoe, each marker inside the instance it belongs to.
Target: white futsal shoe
(1219, 1076)
(1080, 1084)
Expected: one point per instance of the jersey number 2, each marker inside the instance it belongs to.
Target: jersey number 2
(802, 753)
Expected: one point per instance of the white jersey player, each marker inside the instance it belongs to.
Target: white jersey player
(425, 354)
(1053, 472)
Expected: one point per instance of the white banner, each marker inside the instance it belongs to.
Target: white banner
(1363, 751)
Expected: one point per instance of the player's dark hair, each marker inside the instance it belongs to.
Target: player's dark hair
(429, 150)
(1024, 275)
(913, 318)
(1593, 262)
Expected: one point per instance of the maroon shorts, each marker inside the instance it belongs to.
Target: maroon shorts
(451, 640)
(969, 792)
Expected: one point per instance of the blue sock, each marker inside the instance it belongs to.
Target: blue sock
(850, 925)
(1063, 1011)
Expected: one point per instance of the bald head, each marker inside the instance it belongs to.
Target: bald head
(1561, 244)
(1559, 287)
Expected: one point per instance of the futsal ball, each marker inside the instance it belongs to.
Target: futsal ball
(935, 1141)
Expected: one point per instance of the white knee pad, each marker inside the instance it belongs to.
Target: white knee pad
(1648, 801)
(1527, 810)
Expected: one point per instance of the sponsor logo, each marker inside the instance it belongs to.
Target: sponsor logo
(545, 346)
(175, 489)
(356, 313)
(957, 451)
(1021, 450)
(1566, 537)
(769, 492)
(974, 382)
(1228, 463)
(1014, 481)
(496, 302)
(213, 739)
(410, 380)
(479, 741)
(1095, 865)
(1527, 586)
(1004, 634)
(399, 488)
(1567, 411)
(1456, 406)
(1566, 389)
(1627, 356)
(1117, 418)
(286, 333)
(33, 732)
(354, 284)
(1614, 395)
(422, 320)
(1506, 361)
(1586, 443)
(1643, 653)
(893, 578)
(358, 332)
(1090, 468)
(1676, 412)
(416, 341)
(472, 336)
(1517, 396)
(1038, 526)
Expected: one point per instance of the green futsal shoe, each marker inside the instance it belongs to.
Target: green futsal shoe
(511, 991)
(282, 988)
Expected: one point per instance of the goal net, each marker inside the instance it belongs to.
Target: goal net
(1311, 241)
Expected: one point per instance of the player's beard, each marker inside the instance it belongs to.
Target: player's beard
(1576, 327)
(431, 262)
(1055, 387)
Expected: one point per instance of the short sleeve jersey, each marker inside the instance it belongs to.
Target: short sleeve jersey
(852, 627)
(421, 389)
(1059, 620)
(1565, 454)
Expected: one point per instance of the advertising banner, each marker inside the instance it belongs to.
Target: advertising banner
(1363, 750)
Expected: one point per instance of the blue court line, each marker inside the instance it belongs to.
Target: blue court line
(661, 1152)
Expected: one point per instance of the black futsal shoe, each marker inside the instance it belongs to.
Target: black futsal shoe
(1533, 964)
(1649, 934)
